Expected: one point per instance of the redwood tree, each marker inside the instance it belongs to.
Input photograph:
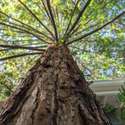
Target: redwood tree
(53, 92)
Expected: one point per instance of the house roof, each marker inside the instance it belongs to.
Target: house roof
(107, 87)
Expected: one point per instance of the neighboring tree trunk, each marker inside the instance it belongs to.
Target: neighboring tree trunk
(53, 93)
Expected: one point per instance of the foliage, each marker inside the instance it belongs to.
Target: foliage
(100, 63)
(122, 101)
(109, 108)
(11, 73)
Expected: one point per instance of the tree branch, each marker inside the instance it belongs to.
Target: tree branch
(35, 17)
(20, 47)
(1, 50)
(52, 19)
(16, 40)
(70, 21)
(23, 30)
(28, 27)
(89, 27)
(75, 31)
(19, 55)
(45, 8)
(79, 16)
(96, 30)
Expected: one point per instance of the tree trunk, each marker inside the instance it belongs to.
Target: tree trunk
(53, 93)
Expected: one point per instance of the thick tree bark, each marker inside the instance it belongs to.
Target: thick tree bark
(53, 93)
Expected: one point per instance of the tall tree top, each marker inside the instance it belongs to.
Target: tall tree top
(46, 22)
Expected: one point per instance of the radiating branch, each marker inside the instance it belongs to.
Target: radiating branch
(72, 14)
(16, 40)
(75, 30)
(56, 10)
(25, 26)
(23, 30)
(45, 8)
(19, 36)
(21, 47)
(1, 50)
(33, 15)
(97, 29)
(19, 32)
(85, 29)
(79, 16)
(19, 55)
(52, 19)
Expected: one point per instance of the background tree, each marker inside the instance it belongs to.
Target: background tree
(57, 25)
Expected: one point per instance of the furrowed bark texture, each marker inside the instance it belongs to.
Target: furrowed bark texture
(53, 93)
